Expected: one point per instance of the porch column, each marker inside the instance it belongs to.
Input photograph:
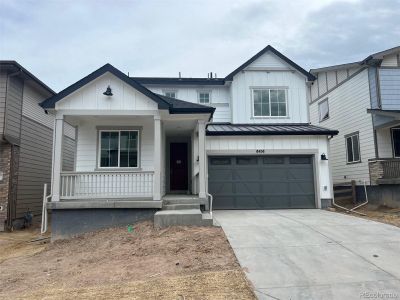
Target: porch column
(202, 158)
(57, 157)
(157, 159)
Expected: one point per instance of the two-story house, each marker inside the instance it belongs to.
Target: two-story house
(169, 147)
(362, 100)
(26, 136)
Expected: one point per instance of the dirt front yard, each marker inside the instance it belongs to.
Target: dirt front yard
(143, 263)
(382, 214)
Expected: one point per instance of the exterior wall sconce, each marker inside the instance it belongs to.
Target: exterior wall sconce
(108, 92)
(323, 156)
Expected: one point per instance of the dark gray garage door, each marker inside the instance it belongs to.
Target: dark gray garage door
(261, 182)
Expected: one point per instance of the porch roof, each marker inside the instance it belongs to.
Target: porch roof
(267, 129)
(177, 106)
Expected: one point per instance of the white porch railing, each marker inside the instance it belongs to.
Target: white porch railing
(109, 185)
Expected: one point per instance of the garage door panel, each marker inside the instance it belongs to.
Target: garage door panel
(247, 188)
(262, 182)
(274, 173)
(271, 188)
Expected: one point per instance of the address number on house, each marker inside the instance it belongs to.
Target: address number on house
(260, 151)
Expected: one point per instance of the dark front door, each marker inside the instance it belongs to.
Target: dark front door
(178, 166)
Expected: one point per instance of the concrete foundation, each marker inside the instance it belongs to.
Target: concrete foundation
(385, 194)
(67, 223)
(325, 203)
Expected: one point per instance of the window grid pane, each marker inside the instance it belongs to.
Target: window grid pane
(119, 149)
(204, 97)
(269, 102)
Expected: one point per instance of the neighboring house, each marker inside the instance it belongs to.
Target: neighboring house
(362, 101)
(245, 139)
(25, 144)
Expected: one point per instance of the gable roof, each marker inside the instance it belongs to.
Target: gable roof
(50, 102)
(15, 66)
(180, 80)
(269, 48)
(370, 59)
(181, 107)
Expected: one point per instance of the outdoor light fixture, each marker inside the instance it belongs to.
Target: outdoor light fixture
(323, 156)
(108, 92)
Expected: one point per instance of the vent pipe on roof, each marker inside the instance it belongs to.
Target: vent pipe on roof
(179, 74)
(211, 75)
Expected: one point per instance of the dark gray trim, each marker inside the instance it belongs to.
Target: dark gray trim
(179, 81)
(309, 76)
(50, 102)
(338, 85)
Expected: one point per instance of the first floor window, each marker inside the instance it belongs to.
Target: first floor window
(119, 149)
(323, 110)
(353, 148)
(396, 141)
(171, 94)
(204, 97)
(269, 103)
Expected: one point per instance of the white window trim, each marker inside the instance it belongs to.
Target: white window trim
(119, 149)
(170, 91)
(351, 135)
(204, 92)
(319, 110)
(252, 89)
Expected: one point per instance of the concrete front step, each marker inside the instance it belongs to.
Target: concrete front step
(181, 206)
(188, 217)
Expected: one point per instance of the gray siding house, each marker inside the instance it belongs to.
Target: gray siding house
(362, 100)
(26, 135)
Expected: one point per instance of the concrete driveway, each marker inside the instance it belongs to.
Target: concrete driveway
(314, 254)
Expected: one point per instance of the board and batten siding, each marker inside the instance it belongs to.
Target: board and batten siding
(3, 91)
(220, 98)
(348, 105)
(90, 97)
(13, 109)
(86, 155)
(236, 145)
(244, 82)
(390, 88)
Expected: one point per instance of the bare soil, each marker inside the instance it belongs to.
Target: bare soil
(382, 214)
(146, 263)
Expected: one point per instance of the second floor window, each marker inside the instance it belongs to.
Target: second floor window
(171, 94)
(323, 110)
(269, 103)
(204, 97)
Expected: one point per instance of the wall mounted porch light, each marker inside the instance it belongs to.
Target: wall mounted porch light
(108, 92)
(323, 156)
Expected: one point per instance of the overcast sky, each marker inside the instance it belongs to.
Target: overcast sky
(62, 41)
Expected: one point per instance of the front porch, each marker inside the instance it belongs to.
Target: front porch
(112, 169)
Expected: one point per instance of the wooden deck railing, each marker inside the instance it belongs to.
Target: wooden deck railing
(106, 185)
(384, 170)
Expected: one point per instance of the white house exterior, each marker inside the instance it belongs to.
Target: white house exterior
(147, 143)
(362, 101)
